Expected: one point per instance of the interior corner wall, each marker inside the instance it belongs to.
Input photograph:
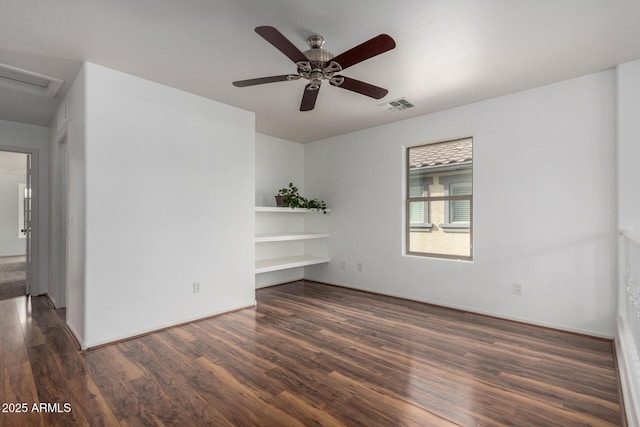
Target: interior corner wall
(170, 187)
(629, 146)
(278, 162)
(544, 207)
(26, 138)
(56, 230)
(75, 139)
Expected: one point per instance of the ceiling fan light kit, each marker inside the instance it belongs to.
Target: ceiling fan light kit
(318, 64)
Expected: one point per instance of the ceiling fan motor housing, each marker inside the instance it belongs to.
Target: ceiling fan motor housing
(317, 53)
(319, 67)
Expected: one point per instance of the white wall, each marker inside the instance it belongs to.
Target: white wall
(25, 138)
(12, 174)
(628, 107)
(169, 189)
(629, 146)
(544, 207)
(278, 162)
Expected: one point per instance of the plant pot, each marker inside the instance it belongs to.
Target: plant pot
(281, 201)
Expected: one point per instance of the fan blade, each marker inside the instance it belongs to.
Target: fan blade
(261, 80)
(369, 49)
(281, 43)
(309, 98)
(361, 87)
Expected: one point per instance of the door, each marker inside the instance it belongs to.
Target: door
(27, 205)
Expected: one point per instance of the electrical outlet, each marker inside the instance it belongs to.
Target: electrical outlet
(360, 266)
(196, 287)
(517, 289)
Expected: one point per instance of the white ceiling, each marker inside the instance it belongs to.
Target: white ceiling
(448, 52)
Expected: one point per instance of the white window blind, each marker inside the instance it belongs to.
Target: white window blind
(417, 210)
(460, 210)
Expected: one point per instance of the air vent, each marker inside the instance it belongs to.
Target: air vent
(27, 81)
(396, 105)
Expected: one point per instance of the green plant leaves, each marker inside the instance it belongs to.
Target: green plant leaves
(295, 200)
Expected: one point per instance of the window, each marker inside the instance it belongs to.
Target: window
(440, 199)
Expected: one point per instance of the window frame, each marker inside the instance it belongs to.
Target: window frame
(426, 225)
(447, 227)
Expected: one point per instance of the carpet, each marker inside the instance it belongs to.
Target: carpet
(13, 276)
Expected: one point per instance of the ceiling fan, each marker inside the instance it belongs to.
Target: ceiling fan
(318, 64)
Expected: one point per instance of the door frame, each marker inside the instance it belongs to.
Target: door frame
(36, 285)
(62, 217)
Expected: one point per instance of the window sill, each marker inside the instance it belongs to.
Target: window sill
(455, 228)
(421, 228)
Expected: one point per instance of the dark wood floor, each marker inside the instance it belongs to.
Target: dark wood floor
(310, 354)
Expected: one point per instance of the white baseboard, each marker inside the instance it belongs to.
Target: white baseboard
(476, 311)
(75, 333)
(137, 333)
(52, 299)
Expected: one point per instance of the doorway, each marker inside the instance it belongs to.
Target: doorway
(15, 224)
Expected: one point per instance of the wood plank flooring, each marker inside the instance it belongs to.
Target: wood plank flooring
(311, 355)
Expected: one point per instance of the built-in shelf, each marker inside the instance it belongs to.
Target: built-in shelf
(275, 264)
(282, 237)
(284, 210)
(301, 237)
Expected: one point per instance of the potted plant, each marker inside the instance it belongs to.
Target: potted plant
(290, 197)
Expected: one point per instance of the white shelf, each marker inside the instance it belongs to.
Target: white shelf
(285, 209)
(282, 237)
(303, 241)
(275, 264)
